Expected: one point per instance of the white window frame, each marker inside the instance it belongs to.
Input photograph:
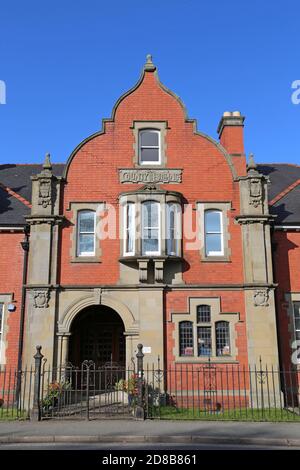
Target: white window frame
(85, 253)
(177, 227)
(221, 233)
(150, 146)
(129, 230)
(151, 253)
(294, 324)
(1, 330)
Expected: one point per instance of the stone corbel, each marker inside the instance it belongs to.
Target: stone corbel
(143, 269)
(159, 270)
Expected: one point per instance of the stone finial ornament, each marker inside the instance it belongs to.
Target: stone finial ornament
(149, 66)
(47, 163)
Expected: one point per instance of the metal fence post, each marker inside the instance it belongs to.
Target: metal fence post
(36, 409)
(139, 410)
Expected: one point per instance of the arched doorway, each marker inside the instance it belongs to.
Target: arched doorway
(97, 335)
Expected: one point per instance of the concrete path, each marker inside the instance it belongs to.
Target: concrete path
(130, 431)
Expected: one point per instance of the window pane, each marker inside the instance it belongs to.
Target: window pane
(150, 234)
(213, 243)
(172, 229)
(87, 221)
(203, 314)
(86, 243)
(150, 214)
(297, 324)
(222, 338)
(1, 317)
(297, 309)
(149, 139)
(204, 340)
(213, 221)
(149, 155)
(186, 340)
(130, 228)
(150, 242)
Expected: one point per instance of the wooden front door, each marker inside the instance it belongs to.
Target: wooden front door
(98, 335)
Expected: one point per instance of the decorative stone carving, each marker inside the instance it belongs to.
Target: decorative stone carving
(41, 298)
(261, 298)
(255, 191)
(139, 175)
(45, 192)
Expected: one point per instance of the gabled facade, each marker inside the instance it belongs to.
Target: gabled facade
(152, 233)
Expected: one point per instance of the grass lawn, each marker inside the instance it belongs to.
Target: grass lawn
(11, 414)
(240, 414)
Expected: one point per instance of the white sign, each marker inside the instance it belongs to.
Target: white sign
(147, 349)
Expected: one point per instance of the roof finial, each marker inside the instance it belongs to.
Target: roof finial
(47, 163)
(251, 165)
(149, 66)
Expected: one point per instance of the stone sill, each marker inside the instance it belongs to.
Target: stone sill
(213, 361)
(149, 257)
(216, 259)
(85, 259)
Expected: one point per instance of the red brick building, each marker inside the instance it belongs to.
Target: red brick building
(152, 233)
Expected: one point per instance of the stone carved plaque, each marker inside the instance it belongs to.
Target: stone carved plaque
(139, 175)
(261, 298)
(255, 192)
(44, 192)
(41, 298)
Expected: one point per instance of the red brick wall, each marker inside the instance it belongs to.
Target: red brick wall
(93, 176)
(287, 275)
(11, 272)
(231, 302)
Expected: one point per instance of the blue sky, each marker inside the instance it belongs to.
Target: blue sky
(66, 62)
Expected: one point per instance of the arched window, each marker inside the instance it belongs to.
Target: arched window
(213, 227)
(129, 238)
(173, 228)
(186, 338)
(222, 338)
(86, 233)
(150, 228)
(203, 314)
(149, 147)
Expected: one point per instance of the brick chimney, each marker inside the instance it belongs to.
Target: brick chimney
(231, 135)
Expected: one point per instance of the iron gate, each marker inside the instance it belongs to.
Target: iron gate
(87, 392)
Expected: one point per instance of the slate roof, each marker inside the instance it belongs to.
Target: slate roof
(17, 179)
(283, 178)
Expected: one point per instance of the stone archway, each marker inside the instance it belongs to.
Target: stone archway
(99, 299)
(97, 334)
